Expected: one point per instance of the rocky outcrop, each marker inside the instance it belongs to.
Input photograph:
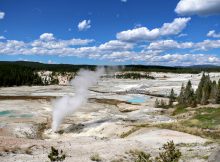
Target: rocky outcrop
(60, 78)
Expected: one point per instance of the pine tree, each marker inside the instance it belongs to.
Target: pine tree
(162, 103)
(171, 97)
(206, 90)
(189, 94)
(214, 93)
(199, 89)
(157, 104)
(194, 101)
(218, 92)
(181, 98)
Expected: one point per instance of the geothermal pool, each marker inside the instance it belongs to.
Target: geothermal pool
(14, 114)
(138, 99)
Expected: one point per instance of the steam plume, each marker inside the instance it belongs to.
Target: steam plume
(67, 104)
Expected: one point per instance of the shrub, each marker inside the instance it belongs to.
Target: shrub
(143, 157)
(56, 155)
(95, 157)
(170, 153)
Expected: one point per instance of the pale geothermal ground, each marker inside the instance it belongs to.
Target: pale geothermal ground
(100, 126)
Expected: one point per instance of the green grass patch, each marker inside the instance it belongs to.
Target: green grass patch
(179, 110)
(205, 118)
(205, 123)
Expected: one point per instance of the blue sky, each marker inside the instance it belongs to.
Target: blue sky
(150, 32)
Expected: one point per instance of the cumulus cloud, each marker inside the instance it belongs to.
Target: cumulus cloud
(55, 44)
(198, 7)
(169, 44)
(144, 34)
(2, 15)
(116, 45)
(47, 40)
(213, 34)
(47, 36)
(186, 59)
(2, 37)
(157, 58)
(47, 44)
(84, 25)
(138, 34)
(207, 44)
(114, 50)
(174, 27)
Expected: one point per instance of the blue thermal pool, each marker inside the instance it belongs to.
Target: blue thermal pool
(13, 114)
(5, 113)
(137, 99)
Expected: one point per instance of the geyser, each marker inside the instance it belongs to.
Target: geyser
(67, 105)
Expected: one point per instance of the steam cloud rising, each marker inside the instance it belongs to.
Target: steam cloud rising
(67, 104)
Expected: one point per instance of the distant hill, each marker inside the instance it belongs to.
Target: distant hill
(205, 66)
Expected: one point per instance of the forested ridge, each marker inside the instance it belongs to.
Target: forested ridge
(16, 75)
(25, 73)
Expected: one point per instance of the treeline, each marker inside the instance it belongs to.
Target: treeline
(36, 66)
(146, 68)
(207, 92)
(15, 75)
(166, 69)
(134, 76)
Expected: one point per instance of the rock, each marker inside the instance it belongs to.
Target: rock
(127, 108)
(215, 156)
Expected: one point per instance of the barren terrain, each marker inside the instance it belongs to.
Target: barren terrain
(119, 117)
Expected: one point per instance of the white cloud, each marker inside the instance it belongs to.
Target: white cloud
(2, 37)
(174, 27)
(138, 34)
(213, 34)
(47, 37)
(84, 25)
(169, 44)
(47, 40)
(182, 35)
(2, 15)
(199, 7)
(116, 45)
(207, 44)
(144, 34)
(60, 43)
(156, 58)
(115, 50)
(186, 59)
(45, 45)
